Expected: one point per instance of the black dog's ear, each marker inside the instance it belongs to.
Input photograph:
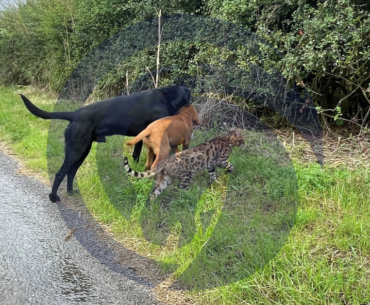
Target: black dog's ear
(187, 96)
(188, 99)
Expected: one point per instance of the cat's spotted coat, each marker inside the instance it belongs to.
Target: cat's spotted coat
(183, 165)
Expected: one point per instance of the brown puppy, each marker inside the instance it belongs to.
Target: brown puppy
(166, 133)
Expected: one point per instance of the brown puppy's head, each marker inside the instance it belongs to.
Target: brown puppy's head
(192, 112)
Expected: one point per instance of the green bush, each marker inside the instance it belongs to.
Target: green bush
(325, 43)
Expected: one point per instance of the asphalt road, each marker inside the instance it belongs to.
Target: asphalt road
(37, 264)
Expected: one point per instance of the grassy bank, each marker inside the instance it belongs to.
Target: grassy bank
(325, 259)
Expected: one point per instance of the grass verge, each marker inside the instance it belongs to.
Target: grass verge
(325, 259)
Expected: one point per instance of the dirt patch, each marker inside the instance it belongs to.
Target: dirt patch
(338, 151)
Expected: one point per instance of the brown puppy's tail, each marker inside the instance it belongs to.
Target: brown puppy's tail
(139, 137)
(44, 114)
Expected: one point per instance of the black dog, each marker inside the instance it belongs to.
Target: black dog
(122, 115)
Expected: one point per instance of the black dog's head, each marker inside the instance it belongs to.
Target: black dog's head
(179, 96)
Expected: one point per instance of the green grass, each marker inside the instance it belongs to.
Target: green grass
(324, 261)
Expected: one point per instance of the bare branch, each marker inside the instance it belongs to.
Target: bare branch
(348, 95)
(127, 83)
(159, 46)
(151, 76)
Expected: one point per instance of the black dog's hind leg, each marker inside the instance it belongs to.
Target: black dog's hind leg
(76, 150)
(81, 147)
(65, 169)
(78, 160)
(59, 176)
(137, 151)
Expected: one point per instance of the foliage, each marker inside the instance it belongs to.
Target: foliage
(325, 44)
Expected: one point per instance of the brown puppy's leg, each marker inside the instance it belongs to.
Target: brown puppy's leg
(161, 152)
(186, 144)
(162, 155)
(147, 163)
(150, 159)
(176, 148)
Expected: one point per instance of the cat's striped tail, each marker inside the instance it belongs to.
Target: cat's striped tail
(130, 171)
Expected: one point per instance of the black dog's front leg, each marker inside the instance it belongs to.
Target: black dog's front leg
(137, 151)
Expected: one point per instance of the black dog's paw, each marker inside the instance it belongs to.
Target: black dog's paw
(54, 197)
(73, 192)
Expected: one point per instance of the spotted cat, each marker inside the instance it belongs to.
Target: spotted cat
(183, 165)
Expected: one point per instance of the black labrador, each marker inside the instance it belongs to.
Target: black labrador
(122, 115)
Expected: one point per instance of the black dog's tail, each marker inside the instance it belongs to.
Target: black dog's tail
(44, 114)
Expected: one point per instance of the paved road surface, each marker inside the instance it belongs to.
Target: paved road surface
(37, 265)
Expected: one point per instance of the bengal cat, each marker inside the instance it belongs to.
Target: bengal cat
(183, 165)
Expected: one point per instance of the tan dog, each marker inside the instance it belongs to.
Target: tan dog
(166, 133)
